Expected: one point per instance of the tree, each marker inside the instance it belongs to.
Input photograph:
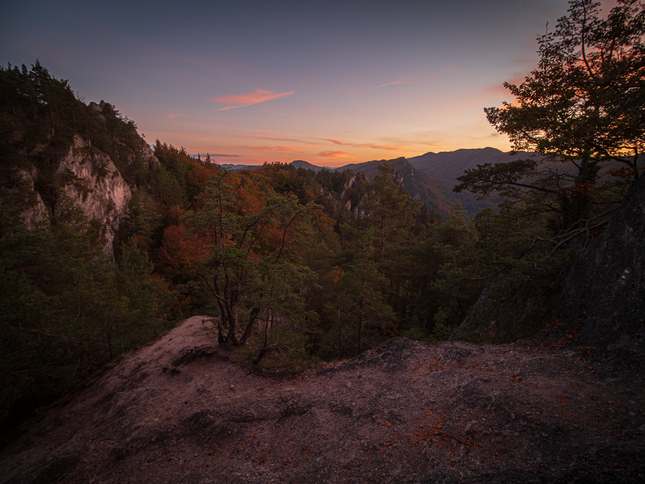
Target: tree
(584, 102)
(254, 271)
(374, 284)
(361, 303)
(581, 107)
(389, 209)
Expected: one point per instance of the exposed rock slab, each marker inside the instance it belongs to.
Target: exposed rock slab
(604, 294)
(180, 412)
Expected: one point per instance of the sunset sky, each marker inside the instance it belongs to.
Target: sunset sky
(252, 81)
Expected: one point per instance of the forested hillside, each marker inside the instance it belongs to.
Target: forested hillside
(105, 245)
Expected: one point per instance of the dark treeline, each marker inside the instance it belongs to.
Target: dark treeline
(297, 266)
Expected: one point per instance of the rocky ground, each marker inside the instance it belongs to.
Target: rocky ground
(180, 411)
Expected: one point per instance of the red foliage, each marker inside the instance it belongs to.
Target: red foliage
(182, 250)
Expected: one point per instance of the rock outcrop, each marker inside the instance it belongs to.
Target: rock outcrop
(149, 155)
(603, 297)
(96, 186)
(33, 207)
(180, 411)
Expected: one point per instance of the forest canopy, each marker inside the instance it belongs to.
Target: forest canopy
(295, 266)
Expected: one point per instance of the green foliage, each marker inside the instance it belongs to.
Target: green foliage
(143, 219)
(361, 303)
(580, 108)
(584, 100)
(65, 310)
(145, 297)
(507, 178)
(455, 248)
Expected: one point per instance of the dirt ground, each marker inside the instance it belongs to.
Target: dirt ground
(180, 411)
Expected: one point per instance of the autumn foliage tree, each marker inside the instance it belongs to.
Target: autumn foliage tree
(254, 270)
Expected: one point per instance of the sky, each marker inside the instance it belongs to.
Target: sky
(251, 81)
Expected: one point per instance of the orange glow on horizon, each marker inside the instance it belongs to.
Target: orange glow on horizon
(365, 145)
(337, 154)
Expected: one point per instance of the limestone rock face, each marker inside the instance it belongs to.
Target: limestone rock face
(97, 188)
(603, 297)
(149, 155)
(34, 211)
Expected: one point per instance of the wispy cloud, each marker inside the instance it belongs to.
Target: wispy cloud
(429, 143)
(407, 80)
(248, 98)
(415, 141)
(275, 148)
(270, 138)
(336, 154)
(498, 89)
(173, 116)
(363, 145)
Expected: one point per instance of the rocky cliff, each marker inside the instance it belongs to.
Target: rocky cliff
(96, 186)
(33, 211)
(54, 146)
(90, 179)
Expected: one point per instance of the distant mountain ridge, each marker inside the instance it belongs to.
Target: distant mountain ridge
(448, 165)
(308, 166)
(435, 193)
(432, 176)
(429, 177)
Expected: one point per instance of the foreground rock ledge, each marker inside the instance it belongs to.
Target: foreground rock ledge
(180, 411)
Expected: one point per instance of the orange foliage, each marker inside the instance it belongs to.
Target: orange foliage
(580, 189)
(143, 243)
(197, 177)
(182, 250)
(250, 194)
(625, 173)
(323, 221)
(174, 214)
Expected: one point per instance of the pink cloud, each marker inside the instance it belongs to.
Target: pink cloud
(248, 98)
(173, 116)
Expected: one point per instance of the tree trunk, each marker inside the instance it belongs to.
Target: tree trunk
(360, 328)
